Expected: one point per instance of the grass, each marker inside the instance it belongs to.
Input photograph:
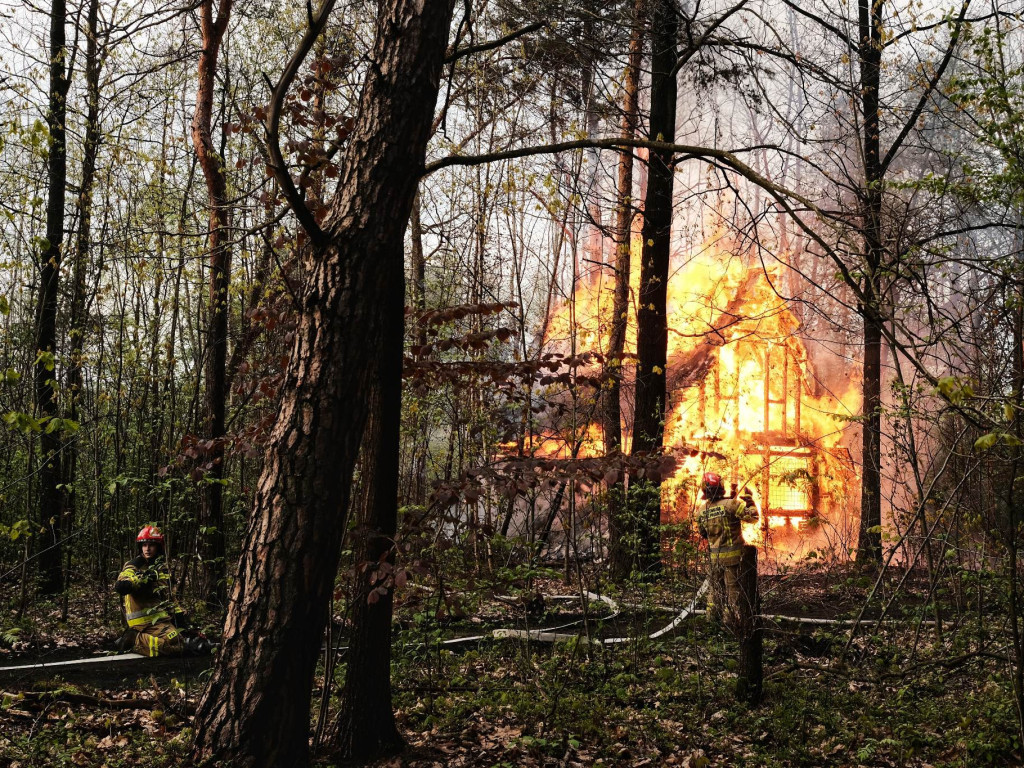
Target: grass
(894, 699)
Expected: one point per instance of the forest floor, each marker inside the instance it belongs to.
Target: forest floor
(891, 693)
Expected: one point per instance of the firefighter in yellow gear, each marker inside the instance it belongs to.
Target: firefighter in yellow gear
(155, 622)
(719, 521)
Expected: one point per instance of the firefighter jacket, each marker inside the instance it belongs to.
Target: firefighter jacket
(719, 522)
(145, 586)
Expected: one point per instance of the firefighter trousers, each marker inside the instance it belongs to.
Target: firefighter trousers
(725, 595)
(159, 639)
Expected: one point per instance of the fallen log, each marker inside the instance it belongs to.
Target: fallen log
(26, 698)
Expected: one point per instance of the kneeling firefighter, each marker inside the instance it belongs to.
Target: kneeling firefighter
(156, 624)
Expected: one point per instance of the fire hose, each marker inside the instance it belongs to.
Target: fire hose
(551, 636)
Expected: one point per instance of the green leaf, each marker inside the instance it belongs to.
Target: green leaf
(22, 422)
(46, 360)
(954, 390)
(985, 442)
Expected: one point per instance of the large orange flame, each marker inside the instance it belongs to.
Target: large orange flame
(741, 388)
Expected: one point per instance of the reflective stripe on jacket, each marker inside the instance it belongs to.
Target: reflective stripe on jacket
(150, 598)
(720, 522)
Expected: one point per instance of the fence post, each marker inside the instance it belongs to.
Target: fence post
(749, 686)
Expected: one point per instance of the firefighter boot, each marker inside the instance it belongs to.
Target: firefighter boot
(197, 645)
(126, 642)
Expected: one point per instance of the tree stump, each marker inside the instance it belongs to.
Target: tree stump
(749, 686)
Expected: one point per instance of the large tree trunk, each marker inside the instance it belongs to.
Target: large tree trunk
(366, 724)
(211, 518)
(652, 329)
(256, 709)
(51, 506)
(624, 208)
(869, 544)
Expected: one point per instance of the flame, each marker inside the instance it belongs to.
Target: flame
(742, 389)
(588, 444)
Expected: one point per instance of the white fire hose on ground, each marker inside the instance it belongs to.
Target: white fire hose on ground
(550, 636)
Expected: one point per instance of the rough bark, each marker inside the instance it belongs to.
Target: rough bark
(869, 544)
(366, 728)
(256, 709)
(51, 502)
(652, 330)
(624, 208)
(211, 518)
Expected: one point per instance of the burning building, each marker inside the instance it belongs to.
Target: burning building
(744, 397)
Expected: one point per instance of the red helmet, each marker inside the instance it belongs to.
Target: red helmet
(150, 533)
(712, 485)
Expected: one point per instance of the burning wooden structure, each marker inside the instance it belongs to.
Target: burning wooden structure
(747, 396)
(742, 390)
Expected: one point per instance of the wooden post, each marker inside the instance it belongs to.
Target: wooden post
(749, 686)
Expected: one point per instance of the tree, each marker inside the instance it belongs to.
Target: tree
(652, 328)
(365, 726)
(624, 211)
(51, 498)
(256, 709)
(213, 29)
(988, 93)
(94, 54)
(860, 232)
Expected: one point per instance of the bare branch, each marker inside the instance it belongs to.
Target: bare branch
(280, 91)
(908, 126)
(490, 45)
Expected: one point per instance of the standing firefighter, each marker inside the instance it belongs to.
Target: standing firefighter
(719, 522)
(155, 622)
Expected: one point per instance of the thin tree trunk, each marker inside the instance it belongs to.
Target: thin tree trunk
(77, 320)
(869, 543)
(652, 329)
(612, 411)
(420, 438)
(1013, 503)
(256, 708)
(624, 209)
(211, 520)
(51, 502)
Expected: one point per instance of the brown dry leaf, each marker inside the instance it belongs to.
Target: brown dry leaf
(110, 742)
(506, 733)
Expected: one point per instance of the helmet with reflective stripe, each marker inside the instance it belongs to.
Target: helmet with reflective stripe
(712, 485)
(150, 533)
